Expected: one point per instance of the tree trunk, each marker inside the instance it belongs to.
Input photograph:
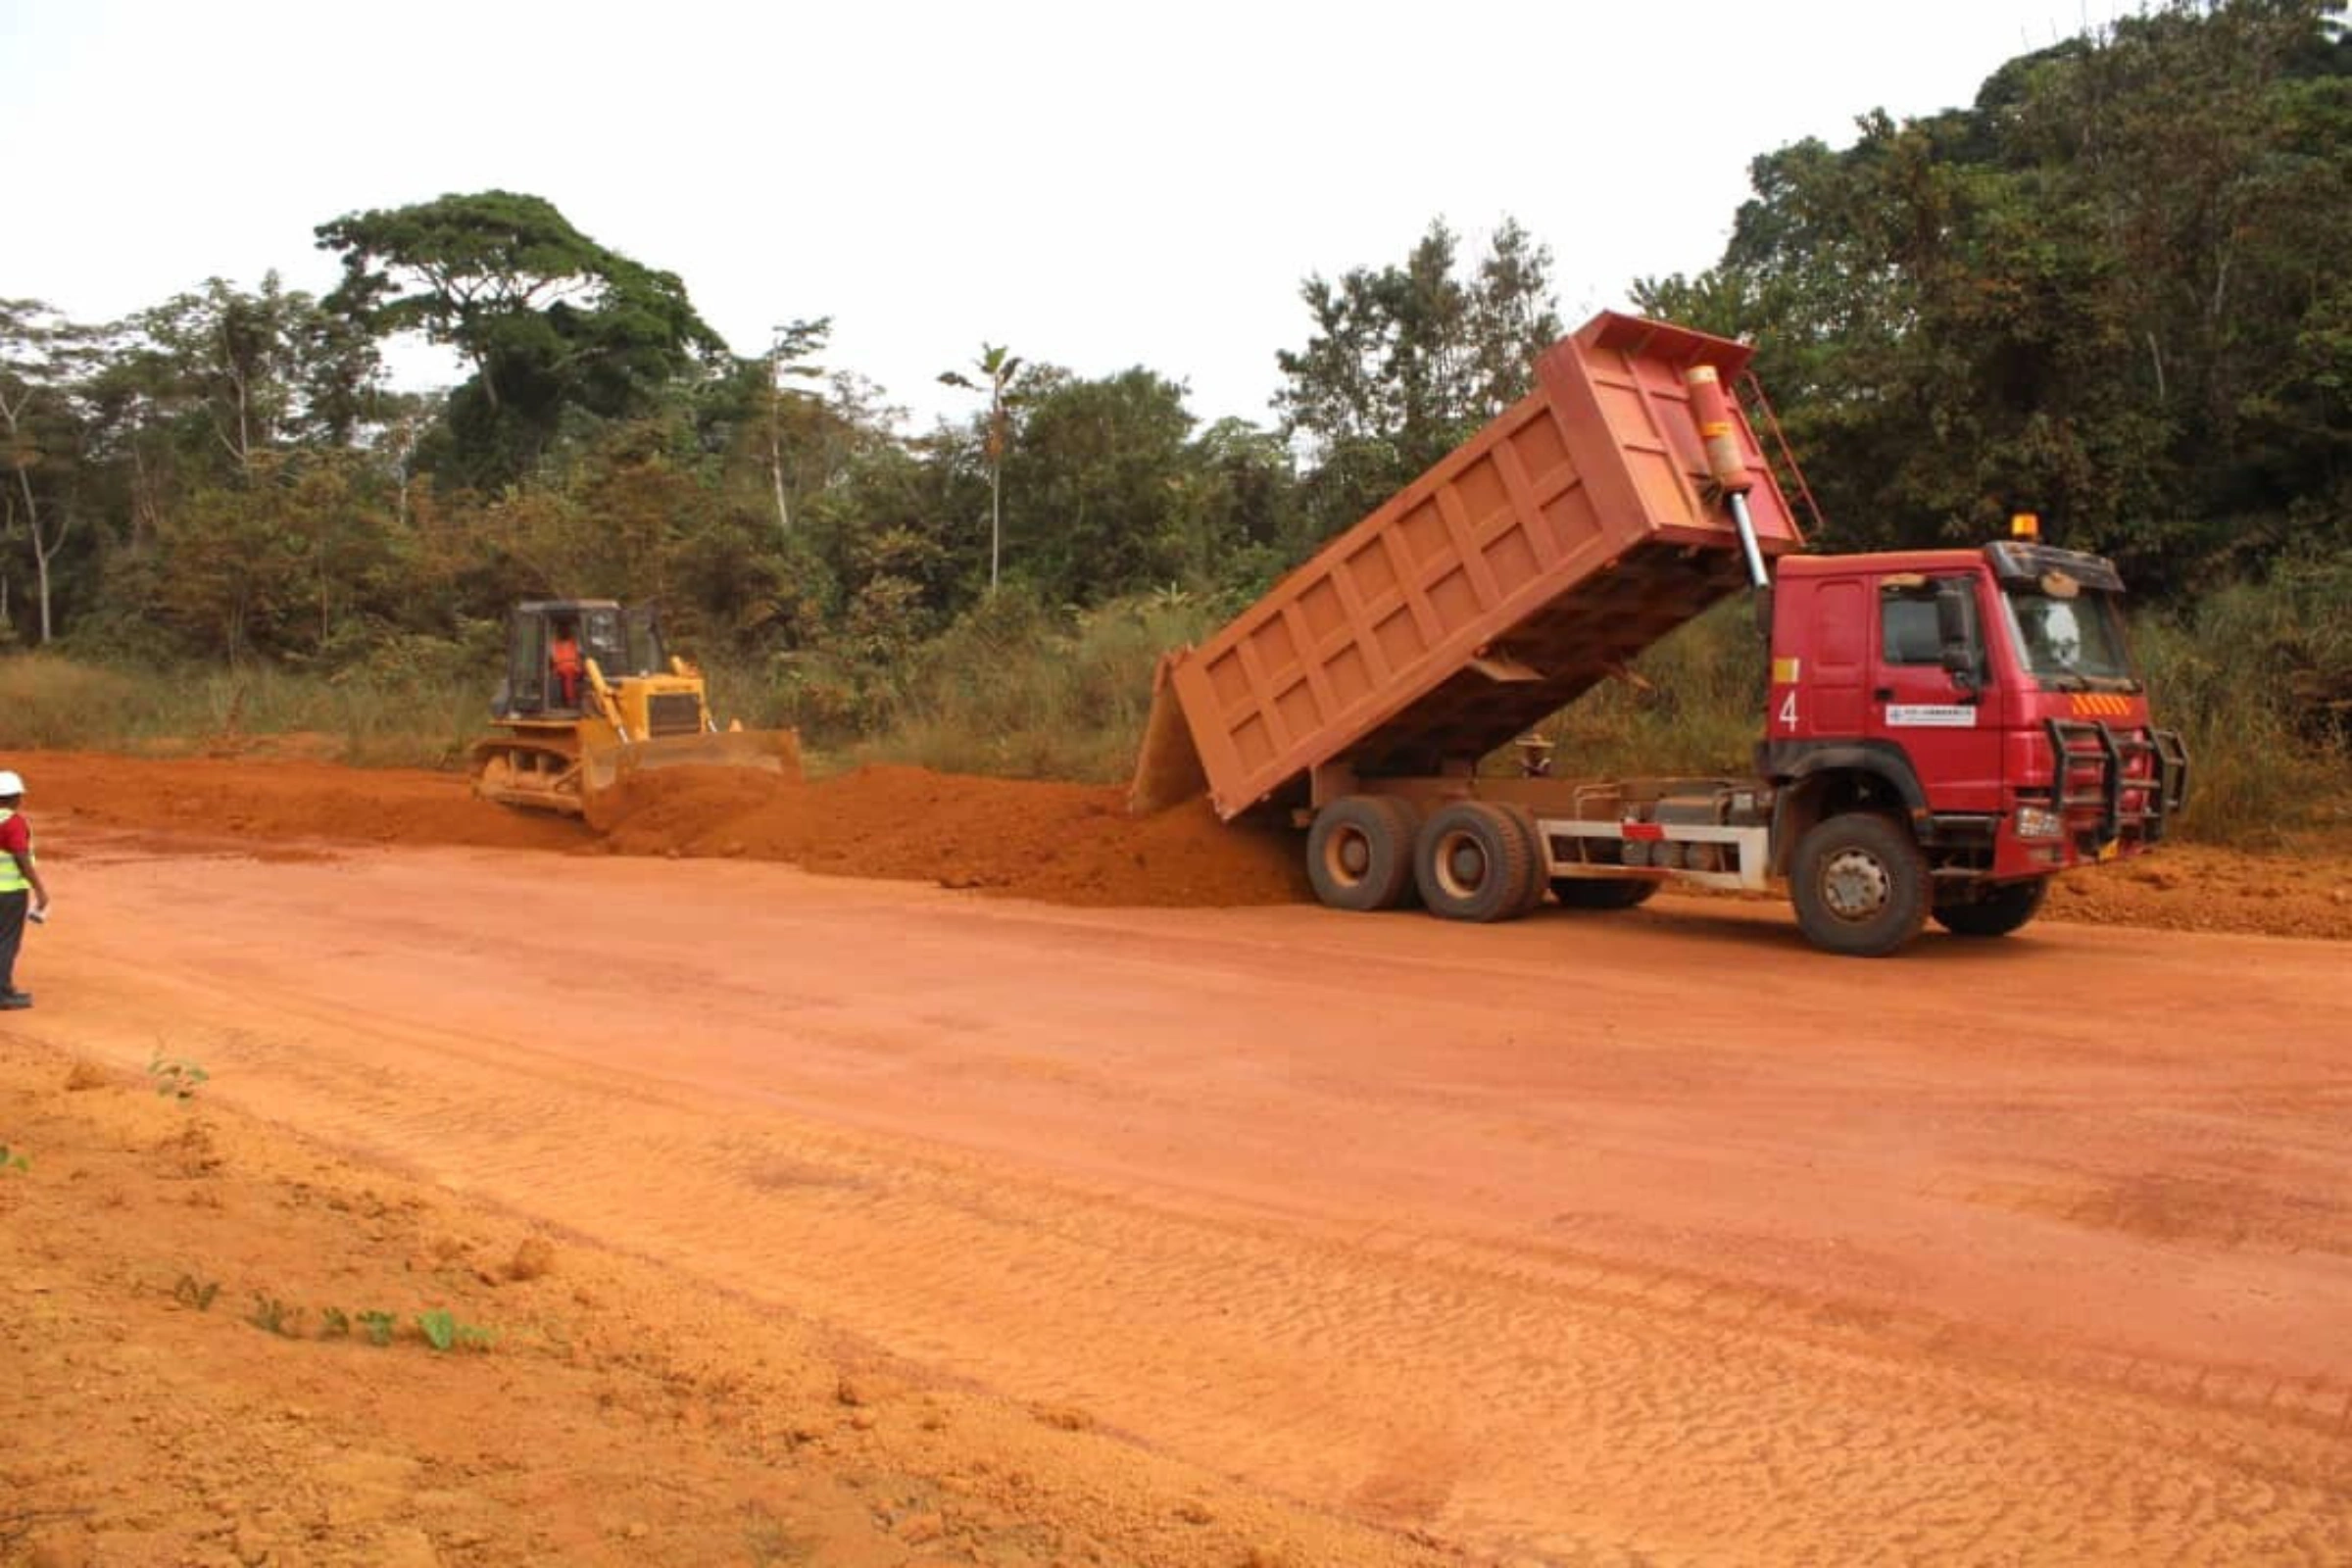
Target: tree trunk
(42, 549)
(40, 562)
(775, 468)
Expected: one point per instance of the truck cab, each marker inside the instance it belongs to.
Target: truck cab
(1986, 698)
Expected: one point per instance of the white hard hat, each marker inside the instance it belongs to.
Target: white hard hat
(9, 784)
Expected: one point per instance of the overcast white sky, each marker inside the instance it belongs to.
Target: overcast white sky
(1097, 185)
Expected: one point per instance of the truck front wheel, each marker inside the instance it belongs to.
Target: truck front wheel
(1994, 913)
(1359, 854)
(1860, 885)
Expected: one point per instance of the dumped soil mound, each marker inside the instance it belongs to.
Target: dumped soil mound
(1061, 842)
(1064, 843)
(276, 800)
(2304, 892)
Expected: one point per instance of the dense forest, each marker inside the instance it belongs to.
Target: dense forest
(2112, 289)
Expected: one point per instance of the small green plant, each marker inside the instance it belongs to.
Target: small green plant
(378, 1327)
(195, 1292)
(11, 1160)
(334, 1323)
(175, 1077)
(771, 1542)
(275, 1316)
(442, 1332)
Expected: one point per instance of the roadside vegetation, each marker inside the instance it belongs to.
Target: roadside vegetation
(2109, 290)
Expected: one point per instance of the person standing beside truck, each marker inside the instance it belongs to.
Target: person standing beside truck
(22, 891)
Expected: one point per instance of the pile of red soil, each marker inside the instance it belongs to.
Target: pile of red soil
(1063, 843)
(2305, 891)
(274, 801)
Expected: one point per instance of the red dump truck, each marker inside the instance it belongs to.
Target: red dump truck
(1944, 729)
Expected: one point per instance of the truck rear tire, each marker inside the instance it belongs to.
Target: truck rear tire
(1539, 871)
(1997, 912)
(1860, 885)
(1360, 853)
(1601, 893)
(1471, 863)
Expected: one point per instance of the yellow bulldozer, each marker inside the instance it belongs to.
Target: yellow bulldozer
(590, 696)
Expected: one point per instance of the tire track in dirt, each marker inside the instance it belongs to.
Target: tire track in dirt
(1595, 1385)
(1592, 1403)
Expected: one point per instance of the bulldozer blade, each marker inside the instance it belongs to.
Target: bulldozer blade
(767, 751)
(1167, 766)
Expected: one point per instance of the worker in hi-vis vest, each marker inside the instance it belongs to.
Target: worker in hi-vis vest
(22, 891)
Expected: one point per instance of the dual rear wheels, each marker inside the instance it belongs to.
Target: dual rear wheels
(1476, 860)
(1479, 861)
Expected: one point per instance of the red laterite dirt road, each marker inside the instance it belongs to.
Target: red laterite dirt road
(1587, 1240)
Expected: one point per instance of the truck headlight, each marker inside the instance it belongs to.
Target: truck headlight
(2038, 822)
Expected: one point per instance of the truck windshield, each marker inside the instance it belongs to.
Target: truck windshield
(2069, 640)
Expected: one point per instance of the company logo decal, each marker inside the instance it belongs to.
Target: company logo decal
(1931, 715)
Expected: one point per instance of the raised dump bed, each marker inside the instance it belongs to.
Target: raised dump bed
(1531, 563)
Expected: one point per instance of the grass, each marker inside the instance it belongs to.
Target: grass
(393, 717)
(2233, 675)
(1019, 690)
(176, 1077)
(439, 1329)
(274, 1316)
(442, 1332)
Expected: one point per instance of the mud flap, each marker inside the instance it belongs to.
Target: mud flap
(1167, 766)
(606, 769)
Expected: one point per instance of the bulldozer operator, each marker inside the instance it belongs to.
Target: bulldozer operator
(564, 657)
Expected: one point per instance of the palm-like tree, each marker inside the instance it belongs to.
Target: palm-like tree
(998, 367)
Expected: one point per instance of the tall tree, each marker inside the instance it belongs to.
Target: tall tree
(790, 354)
(253, 371)
(1000, 370)
(1105, 473)
(44, 360)
(1405, 361)
(550, 320)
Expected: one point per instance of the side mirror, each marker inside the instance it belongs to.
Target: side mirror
(1955, 635)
